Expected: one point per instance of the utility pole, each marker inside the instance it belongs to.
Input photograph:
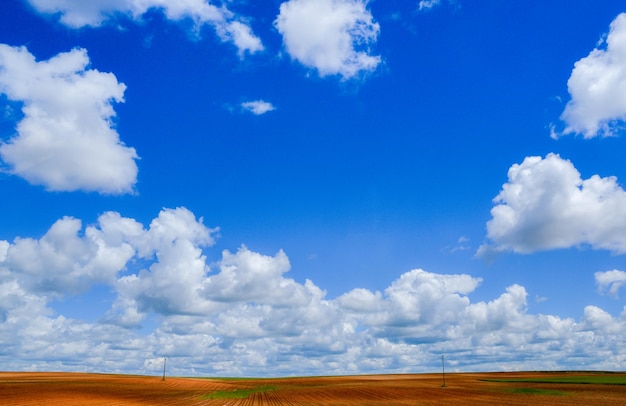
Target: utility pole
(443, 371)
(164, 363)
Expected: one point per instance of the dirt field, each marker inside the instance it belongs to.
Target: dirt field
(421, 389)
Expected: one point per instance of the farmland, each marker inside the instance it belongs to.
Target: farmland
(520, 388)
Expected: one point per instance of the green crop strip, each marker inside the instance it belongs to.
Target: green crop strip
(238, 393)
(597, 380)
(534, 391)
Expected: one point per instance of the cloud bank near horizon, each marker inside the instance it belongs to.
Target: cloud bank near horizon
(240, 314)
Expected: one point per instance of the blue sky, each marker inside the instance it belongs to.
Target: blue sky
(312, 186)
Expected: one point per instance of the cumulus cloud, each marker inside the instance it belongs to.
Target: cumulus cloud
(240, 314)
(596, 319)
(258, 107)
(228, 26)
(69, 259)
(610, 282)
(332, 36)
(597, 87)
(547, 205)
(66, 140)
(63, 262)
(173, 284)
(413, 303)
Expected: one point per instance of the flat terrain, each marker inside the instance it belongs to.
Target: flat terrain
(522, 388)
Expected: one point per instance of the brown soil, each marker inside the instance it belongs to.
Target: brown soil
(51, 389)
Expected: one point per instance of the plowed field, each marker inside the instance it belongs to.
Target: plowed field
(552, 388)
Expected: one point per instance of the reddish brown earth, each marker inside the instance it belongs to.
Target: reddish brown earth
(421, 389)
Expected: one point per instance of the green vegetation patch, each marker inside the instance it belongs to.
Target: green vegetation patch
(575, 379)
(239, 393)
(535, 391)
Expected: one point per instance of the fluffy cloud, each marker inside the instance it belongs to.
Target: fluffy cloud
(610, 281)
(61, 262)
(241, 315)
(66, 140)
(70, 260)
(413, 305)
(173, 284)
(597, 87)
(332, 36)
(78, 13)
(258, 107)
(547, 205)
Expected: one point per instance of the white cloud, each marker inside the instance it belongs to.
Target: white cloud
(596, 319)
(77, 13)
(241, 36)
(4, 248)
(229, 28)
(62, 262)
(418, 305)
(610, 281)
(172, 226)
(173, 284)
(248, 276)
(258, 107)
(69, 260)
(66, 140)
(241, 315)
(428, 4)
(547, 205)
(597, 87)
(332, 36)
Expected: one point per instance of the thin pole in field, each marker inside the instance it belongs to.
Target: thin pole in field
(443, 371)
(164, 363)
